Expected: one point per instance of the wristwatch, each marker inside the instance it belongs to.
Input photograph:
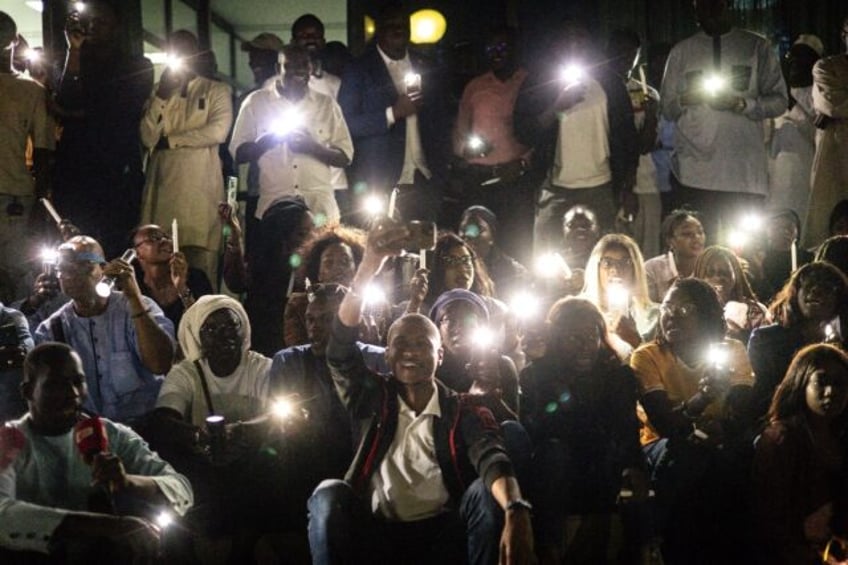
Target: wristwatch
(519, 503)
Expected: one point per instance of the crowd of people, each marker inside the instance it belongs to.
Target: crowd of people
(590, 311)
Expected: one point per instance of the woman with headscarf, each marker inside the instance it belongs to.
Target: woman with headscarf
(219, 375)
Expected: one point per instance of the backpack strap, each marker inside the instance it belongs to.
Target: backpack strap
(57, 329)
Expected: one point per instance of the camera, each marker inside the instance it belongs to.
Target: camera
(422, 235)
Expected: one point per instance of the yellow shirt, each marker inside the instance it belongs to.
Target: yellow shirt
(657, 368)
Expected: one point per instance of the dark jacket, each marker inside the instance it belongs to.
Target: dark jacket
(467, 438)
(366, 91)
(593, 417)
(540, 91)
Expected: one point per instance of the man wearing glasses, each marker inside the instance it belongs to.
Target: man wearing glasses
(124, 339)
(165, 275)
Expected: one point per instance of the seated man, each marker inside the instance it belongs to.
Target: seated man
(45, 482)
(326, 440)
(124, 340)
(425, 459)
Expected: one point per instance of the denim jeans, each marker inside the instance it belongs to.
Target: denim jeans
(342, 530)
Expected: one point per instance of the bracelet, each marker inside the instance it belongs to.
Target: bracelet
(140, 314)
(519, 503)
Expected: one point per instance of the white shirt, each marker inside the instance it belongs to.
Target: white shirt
(581, 159)
(281, 171)
(409, 484)
(239, 396)
(413, 157)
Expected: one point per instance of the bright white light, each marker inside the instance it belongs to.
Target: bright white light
(412, 81)
(713, 84)
(32, 55)
(49, 255)
(36, 5)
(571, 74)
(287, 123)
(282, 408)
(719, 355)
(174, 62)
(373, 295)
(752, 222)
(374, 205)
(103, 289)
(737, 239)
(475, 142)
(164, 519)
(524, 305)
(483, 337)
(550, 265)
(618, 297)
(829, 334)
(79, 7)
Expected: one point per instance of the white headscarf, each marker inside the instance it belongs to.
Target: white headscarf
(193, 318)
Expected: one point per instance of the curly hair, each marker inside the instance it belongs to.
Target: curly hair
(482, 284)
(741, 291)
(789, 399)
(329, 235)
(673, 221)
(785, 309)
(710, 311)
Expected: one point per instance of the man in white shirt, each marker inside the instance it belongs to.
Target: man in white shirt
(719, 86)
(296, 135)
(431, 481)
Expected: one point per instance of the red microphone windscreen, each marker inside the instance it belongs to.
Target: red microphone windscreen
(90, 437)
(12, 442)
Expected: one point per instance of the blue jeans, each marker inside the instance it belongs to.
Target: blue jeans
(342, 530)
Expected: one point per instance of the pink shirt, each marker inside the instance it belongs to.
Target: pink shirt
(486, 110)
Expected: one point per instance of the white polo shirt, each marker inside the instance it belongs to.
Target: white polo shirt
(409, 485)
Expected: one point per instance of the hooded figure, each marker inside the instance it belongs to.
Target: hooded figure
(220, 375)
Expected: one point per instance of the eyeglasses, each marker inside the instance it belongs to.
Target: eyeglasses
(608, 263)
(154, 238)
(679, 311)
(452, 260)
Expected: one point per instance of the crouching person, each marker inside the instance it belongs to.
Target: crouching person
(431, 481)
(65, 479)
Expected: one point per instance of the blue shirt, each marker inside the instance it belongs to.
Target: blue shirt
(119, 386)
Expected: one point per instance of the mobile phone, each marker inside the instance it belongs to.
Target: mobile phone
(412, 82)
(232, 191)
(422, 235)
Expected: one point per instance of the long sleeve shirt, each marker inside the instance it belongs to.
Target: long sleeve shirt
(723, 150)
(49, 479)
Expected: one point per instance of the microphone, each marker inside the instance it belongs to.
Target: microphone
(90, 439)
(12, 442)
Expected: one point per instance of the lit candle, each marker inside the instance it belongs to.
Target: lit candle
(52, 211)
(392, 202)
(422, 259)
(794, 256)
(175, 235)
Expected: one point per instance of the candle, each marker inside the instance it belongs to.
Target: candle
(175, 235)
(52, 211)
(392, 202)
(642, 80)
(422, 259)
(794, 256)
(291, 285)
